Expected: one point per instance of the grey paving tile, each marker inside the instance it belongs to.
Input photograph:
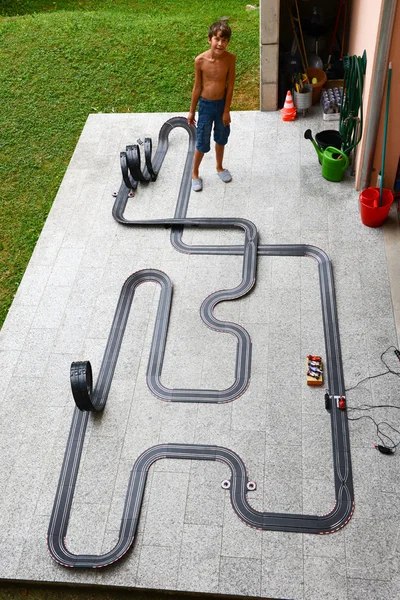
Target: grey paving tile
(200, 558)
(241, 576)
(317, 465)
(385, 390)
(118, 501)
(178, 423)
(312, 400)
(10, 552)
(259, 334)
(50, 312)
(284, 308)
(160, 573)
(33, 457)
(218, 370)
(54, 388)
(9, 446)
(329, 546)
(8, 361)
(98, 250)
(124, 572)
(31, 287)
(143, 427)
(113, 419)
(314, 214)
(284, 342)
(213, 424)
(239, 540)
(48, 245)
(86, 528)
(317, 431)
(72, 332)
(49, 482)
(86, 287)
(393, 587)
(34, 357)
(18, 404)
(205, 500)
(377, 296)
(360, 589)
(248, 411)
(18, 502)
(282, 578)
(15, 330)
(256, 306)
(389, 473)
(250, 445)
(97, 472)
(368, 548)
(365, 465)
(65, 267)
(166, 511)
(283, 479)
(324, 578)
(318, 495)
(283, 407)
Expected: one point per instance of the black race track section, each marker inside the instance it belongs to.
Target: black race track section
(88, 399)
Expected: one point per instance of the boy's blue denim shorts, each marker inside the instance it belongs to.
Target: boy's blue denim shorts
(211, 111)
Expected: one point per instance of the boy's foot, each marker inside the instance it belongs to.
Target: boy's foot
(225, 176)
(197, 184)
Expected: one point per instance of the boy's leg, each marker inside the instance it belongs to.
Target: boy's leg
(223, 174)
(219, 156)
(203, 134)
(198, 157)
(221, 135)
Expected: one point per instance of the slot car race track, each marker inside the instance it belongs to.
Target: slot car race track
(88, 399)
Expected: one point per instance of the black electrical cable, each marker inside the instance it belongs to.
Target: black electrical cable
(384, 448)
(389, 370)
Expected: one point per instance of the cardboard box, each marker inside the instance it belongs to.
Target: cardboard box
(332, 83)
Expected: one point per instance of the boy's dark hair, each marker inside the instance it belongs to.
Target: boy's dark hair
(220, 27)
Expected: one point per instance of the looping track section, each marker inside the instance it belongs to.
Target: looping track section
(88, 399)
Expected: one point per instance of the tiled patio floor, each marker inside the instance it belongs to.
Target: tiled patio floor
(189, 537)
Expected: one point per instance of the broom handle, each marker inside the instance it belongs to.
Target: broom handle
(301, 35)
(385, 133)
(335, 31)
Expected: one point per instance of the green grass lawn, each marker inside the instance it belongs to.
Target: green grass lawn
(64, 59)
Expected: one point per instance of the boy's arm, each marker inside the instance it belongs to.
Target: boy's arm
(226, 117)
(196, 91)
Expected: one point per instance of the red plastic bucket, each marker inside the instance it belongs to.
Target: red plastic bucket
(372, 214)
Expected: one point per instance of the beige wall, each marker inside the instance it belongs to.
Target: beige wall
(393, 136)
(365, 19)
(269, 54)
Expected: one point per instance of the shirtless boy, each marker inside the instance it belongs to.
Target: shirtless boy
(213, 88)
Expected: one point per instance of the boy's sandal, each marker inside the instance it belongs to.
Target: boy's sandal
(197, 184)
(225, 176)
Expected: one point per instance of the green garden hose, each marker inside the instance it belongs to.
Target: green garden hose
(351, 112)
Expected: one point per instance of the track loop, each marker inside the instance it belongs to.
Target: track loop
(130, 183)
(82, 385)
(133, 159)
(148, 146)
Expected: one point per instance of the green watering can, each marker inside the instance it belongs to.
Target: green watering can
(334, 162)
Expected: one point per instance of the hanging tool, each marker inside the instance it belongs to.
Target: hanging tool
(302, 58)
(335, 32)
(301, 34)
(344, 30)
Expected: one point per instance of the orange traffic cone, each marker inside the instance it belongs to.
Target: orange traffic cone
(288, 111)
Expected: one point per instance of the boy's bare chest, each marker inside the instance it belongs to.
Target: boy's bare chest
(215, 70)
